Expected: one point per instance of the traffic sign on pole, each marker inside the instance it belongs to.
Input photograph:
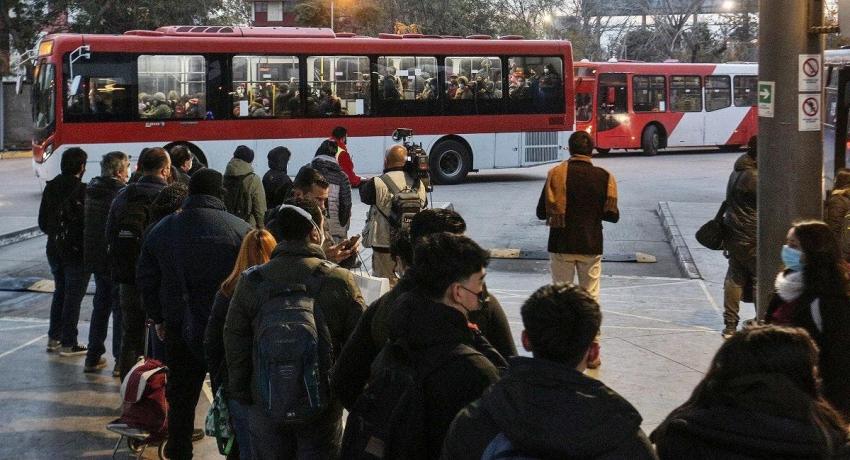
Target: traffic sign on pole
(766, 90)
(809, 72)
(809, 112)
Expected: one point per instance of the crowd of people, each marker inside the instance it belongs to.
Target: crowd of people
(248, 280)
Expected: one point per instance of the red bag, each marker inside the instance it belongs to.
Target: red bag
(143, 396)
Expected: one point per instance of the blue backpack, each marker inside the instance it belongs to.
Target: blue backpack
(501, 448)
(292, 353)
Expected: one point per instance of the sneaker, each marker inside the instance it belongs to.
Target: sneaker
(729, 331)
(76, 350)
(197, 434)
(53, 345)
(100, 364)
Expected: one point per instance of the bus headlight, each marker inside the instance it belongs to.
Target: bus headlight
(47, 152)
(589, 129)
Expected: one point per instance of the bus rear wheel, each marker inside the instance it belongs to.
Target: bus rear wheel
(650, 141)
(450, 162)
(602, 151)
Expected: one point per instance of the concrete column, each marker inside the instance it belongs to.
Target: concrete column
(789, 161)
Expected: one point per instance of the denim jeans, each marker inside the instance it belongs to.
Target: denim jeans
(320, 440)
(239, 414)
(105, 302)
(71, 281)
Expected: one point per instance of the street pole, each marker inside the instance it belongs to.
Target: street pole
(790, 161)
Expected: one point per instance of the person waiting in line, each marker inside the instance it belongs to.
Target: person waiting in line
(297, 260)
(339, 199)
(545, 407)
(811, 292)
(340, 136)
(181, 163)
(740, 222)
(60, 217)
(244, 195)
(256, 249)
(760, 399)
(114, 172)
(836, 210)
(184, 260)
(276, 181)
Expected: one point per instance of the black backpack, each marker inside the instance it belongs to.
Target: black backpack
(501, 448)
(388, 419)
(236, 197)
(405, 204)
(70, 225)
(130, 226)
(293, 353)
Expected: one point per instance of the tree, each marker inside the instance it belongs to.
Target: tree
(642, 44)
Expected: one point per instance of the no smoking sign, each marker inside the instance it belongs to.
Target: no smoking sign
(809, 112)
(809, 72)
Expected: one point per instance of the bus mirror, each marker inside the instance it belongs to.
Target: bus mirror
(611, 95)
(75, 85)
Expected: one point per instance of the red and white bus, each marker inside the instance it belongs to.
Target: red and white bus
(651, 106)
(213, 88)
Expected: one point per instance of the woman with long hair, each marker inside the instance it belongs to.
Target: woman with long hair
(256, 249)
(811, 292)
(759, 399)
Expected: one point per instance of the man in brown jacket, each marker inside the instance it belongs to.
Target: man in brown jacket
(575, 200)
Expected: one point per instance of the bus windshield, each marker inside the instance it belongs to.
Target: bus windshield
(44, 100)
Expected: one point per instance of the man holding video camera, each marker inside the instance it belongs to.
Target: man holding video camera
(387, 195)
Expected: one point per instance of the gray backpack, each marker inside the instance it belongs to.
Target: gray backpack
(405, 204)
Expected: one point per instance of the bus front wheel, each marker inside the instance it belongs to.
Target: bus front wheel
(602, 151)
(450, 162)
(650, 141)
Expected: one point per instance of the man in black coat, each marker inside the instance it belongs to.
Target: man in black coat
(276, 181)
(740, 222)
(155, 167)
(61, 204)
(184, 260)
(545, 407)
(114, 172)
(433, 321)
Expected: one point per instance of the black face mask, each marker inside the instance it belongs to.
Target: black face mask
(482, 296)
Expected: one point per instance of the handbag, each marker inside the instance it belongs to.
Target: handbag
(372, 287)
(218, 424)
(712, 233)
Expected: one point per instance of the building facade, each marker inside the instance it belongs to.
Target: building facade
(273, 13)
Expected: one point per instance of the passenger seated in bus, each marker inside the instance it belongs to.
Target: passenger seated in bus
(193, 108)
(159, 109)
(488, 91)
(463, 89)
(520, 90)
(452, 86)
(329, 105)
(390, 86)
(258, 109)
(429, 93)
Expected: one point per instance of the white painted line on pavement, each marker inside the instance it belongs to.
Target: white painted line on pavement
(31, 326)
(21, 319)
(708, 296)
(640, 286)
(650, 318)
(3, 355)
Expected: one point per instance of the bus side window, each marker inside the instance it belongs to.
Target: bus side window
(745, 90)
(584, 106)
(265, 86)
(648, 93)
(613, 97)
(535, 84)
(718, 93)
(685, 93)
(337, 86)
(105, 91)
(474, 85)
(407, 85)
(172, 86)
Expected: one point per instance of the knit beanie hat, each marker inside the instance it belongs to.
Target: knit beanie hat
(244, 153)
(168, 200)
(207, 181)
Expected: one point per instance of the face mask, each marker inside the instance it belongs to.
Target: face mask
(791, 258)
(481, 296)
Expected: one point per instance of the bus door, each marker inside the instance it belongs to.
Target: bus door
(584, 106)
(721, 118)
(612, 110)
(835, 123)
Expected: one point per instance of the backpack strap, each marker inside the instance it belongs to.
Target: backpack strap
(394, 190)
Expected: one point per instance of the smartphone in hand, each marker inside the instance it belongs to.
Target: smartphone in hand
(351, 242)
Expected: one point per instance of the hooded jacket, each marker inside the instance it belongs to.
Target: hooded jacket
(550, 411)
(431, 330)
(339, 196)
(762, 416)
(291, 263)
(276, 182)
(99, 195)
(740, 218)
(252, 187)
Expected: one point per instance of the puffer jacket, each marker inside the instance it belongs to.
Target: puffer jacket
(548, 410)
(252, 187)
(99, 195)
(339, 197)
(741, 219)
(837, 207)
(276, 182)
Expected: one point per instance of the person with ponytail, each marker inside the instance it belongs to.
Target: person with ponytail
(811, 293)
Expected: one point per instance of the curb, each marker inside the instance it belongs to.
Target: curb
(11, 155)
(674, 236)
(20, 235)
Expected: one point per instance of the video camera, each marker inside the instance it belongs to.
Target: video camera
(417, 157)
